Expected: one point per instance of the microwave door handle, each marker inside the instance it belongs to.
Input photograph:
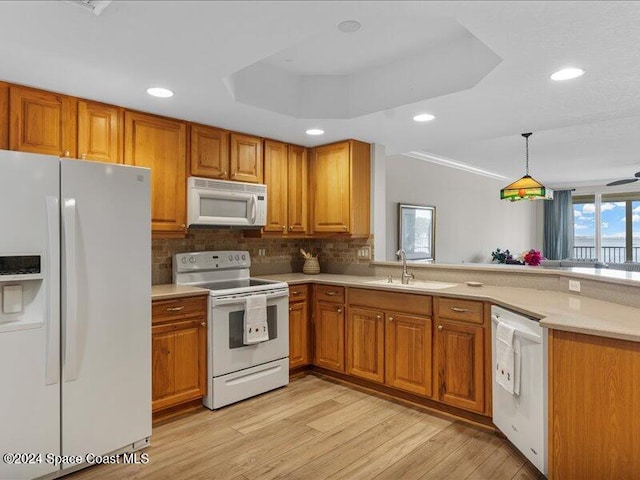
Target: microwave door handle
(254, 208)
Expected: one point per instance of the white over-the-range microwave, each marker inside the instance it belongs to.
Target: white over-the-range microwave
(226, 204)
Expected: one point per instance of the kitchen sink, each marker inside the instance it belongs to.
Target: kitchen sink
(412, 283)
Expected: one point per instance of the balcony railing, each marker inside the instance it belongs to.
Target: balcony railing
(609, 254)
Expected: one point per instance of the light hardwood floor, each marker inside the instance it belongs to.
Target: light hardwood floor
(317, 429)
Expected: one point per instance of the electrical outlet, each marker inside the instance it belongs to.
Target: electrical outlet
(261, 252)
(574, 285)
(364, 252)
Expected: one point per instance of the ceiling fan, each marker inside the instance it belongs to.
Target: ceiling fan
(625, 180)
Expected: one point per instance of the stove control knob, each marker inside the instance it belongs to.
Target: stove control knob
(230, 257)
(192, 259)
(237, 257)
(244, 257)
(184, 259)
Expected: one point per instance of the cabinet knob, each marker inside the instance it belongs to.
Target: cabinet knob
(391, 319)
(83, 156)
(290, 309)
(67, 153)
(224, 174)
(203, 324)
(284, 228)
(379, 317)
(183, 226)
(290, 229)
(440, 327)
(339, 310)
(344, 227)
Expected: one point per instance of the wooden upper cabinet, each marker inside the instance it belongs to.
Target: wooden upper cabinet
(160, 144)
(100, 132)
(340, 177)
(459, 350)
(246, 158)
(42, 122)
(297, 189)
(276, 179)
(365, 344)
(4, 116)
(209, 152)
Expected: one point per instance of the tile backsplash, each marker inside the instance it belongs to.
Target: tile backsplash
(280, 255)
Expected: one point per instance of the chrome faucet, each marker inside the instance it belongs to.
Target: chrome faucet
(406, 274)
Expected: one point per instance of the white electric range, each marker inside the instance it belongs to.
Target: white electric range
(237, 371)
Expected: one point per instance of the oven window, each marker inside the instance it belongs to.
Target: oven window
(217, 207)
(236, 326)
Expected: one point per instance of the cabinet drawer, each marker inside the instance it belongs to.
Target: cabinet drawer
(330, 293)
(391, 301)
(177, 308)
(298, 293)
(461, 310)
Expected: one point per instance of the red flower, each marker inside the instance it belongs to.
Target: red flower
(533, 257)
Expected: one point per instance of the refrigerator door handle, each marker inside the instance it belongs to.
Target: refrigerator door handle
(52, 369)
(70, 310)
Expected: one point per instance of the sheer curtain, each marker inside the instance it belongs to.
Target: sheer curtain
(558, 226)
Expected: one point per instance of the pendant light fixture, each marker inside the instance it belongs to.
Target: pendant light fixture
(527, 187)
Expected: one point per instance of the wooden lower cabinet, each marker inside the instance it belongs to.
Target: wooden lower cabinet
(408, 353)
(329, 336)
(594, 394)
(460, 362)
(365, 344)
(298, 327)
(179, 352)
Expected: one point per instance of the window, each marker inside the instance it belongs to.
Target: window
(611, 235)
(417, 231)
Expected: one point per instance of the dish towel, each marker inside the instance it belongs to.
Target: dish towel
(505, 357)
(255, 320)
(516, 367)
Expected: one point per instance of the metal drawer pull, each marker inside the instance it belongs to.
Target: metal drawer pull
(460, 310)
(331, 293)
(175, 309)
(296, 292)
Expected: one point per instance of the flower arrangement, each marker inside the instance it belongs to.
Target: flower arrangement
(501, 257)
(532, 257)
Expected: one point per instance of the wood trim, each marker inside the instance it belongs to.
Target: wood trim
(416, 304)
(550, 407)
(488, 364)
(173, 413)
(4, 116)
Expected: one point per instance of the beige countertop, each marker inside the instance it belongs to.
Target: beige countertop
(557, 310)
(169, 290)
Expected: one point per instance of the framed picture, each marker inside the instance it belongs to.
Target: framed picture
(417, 231)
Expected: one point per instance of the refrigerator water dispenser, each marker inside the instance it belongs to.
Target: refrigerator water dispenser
(12, 299)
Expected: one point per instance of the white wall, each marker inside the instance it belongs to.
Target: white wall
(471, 220)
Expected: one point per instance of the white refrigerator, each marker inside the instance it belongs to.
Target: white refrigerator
(75, 312)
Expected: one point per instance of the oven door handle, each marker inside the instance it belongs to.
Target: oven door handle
(237, 300)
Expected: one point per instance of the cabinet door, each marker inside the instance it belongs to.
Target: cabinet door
(298, 334)
(365, 344)
(329, 336)
(297, 189)
(275, 177)
(209, 152)
(331, 180)
(160, 144)
(99, 132)
(42, 122)
(408, 353)
(460, 363)
(179, 363)
(246, 158)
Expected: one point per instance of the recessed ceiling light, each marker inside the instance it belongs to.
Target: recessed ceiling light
(424, 117)
(160, 92)
(349, 26)
(315, 131)
(567, 74)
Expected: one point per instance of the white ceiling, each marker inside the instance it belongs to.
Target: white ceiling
(586, 130)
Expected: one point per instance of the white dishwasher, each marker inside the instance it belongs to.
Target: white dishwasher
(523, 417)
